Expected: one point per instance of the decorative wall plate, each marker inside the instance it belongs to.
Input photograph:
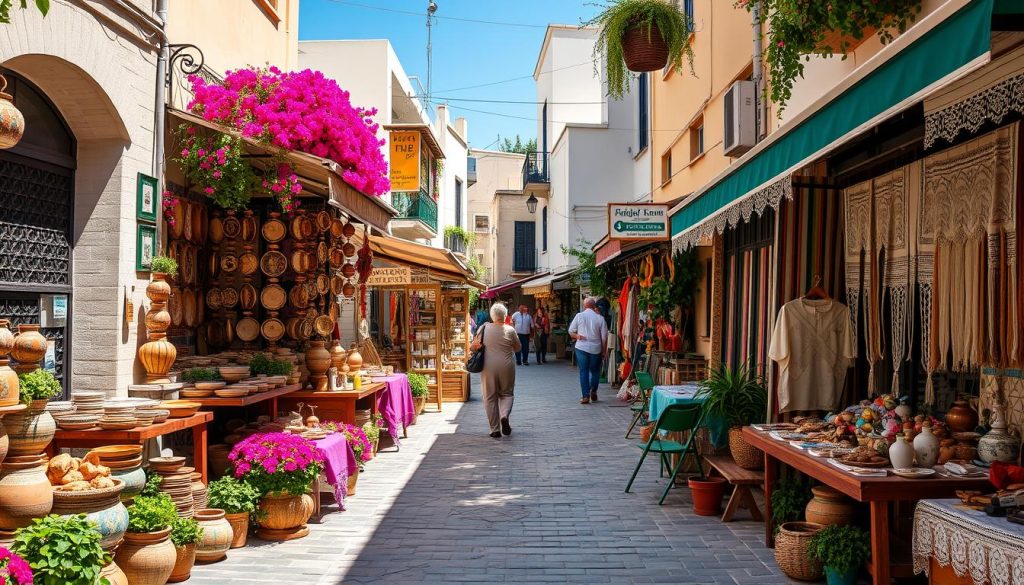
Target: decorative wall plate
(188, 298)
(295, 227)
(337, 228)
(272, 329)
(349, 290)
(337, 282)
(214, 299)
(174, 307)
(292, 328)
(178, 229)
(332, 310)
(306, 328)
(337, 258)
(273, 264)
(247, 297)
(249, 229)
(321, 253)
(273, 297)
(216, 229)
(228, 263)
(311, 289)
(348, 249)
(323, 221)
(307, 226)
(298, 296)
(247, 329)
(349, 230)
(299, 261)
(213, 265)
(324, 325)
(248, 263)
(348, 270)
(232, 227)
(274, 230)
(228, 297)
(323, 284)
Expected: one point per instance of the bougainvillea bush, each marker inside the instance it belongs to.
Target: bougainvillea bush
(356, 438)
(300, 110)
(276, 463)
(13, 569)
(215, 165)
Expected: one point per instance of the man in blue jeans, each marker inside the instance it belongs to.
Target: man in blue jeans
(523, 323)
(590, 331)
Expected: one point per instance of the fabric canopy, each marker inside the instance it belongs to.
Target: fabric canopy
(438, 260)
(500, 288)
(542, 286)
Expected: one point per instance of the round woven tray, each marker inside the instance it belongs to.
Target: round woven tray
(248, 263)
(323, 221)
(216, 229)
(273, 297)
(247, 329)
(247, 297)
(228, 297)
(232, 227)
(273, 263)
(274, 230)
(272, 329)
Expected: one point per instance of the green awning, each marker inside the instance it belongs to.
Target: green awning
(954, 43)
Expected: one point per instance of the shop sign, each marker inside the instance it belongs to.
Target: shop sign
(390, 276)
(405, 160)
(638, 221)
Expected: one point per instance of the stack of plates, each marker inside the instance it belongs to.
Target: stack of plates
(232, 392)
(199, 500)
(159, 414)
(77, 421)
(176, 482)
(120, 456)
(60, 409)
(234, 373)
(144, 418)
(88, 401)
(118, 415)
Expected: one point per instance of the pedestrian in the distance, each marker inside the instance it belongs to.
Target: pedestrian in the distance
(541, 328)
(590, 331)
(523, 323)
(481, 318)
(498, 378)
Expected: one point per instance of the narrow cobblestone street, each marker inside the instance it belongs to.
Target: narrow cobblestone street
(543, 506)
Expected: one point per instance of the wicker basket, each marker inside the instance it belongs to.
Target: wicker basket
(643, 52)
(745, 455)
(793, 551)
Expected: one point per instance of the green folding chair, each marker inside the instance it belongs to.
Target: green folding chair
(676, 418)
(642, 403)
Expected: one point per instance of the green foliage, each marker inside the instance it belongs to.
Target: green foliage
(519, 147)
(194, 375)
(261, 364)
(687, 278)
(789, 498)
(738, 396)
(151, 513)
(233, 496)
(454, 231)
(622, 15)
(38, 384)
(185, 531)
(841, 548)
(658, 297)
(5, 8)
(372, 428)
(229, 184)
(797, 30)
(164, 264)
(418, 384)
(152, 487)
(62, 550)
(586, 264)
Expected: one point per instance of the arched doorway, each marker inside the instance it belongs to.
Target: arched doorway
(37, 194)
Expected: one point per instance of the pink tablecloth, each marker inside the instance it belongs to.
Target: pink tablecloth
(394, 403)
(339, 462)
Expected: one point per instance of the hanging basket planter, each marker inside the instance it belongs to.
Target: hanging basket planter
(644, 49)
(12, 122)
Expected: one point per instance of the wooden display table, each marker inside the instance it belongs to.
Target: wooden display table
(879, 492)
(139, 435)
(455, 385)
(256, 398)
(337, 406)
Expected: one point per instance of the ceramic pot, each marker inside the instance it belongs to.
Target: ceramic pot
(147, 558)
(239, 528)
(102, 506)
(421, 404)
(29, 348)
(6, 538)
(961, 418)
(339, 357)
(829, 506)
(134, 481)
(353, 479)
(25, 492)
(284, 516)
(157, 320)
(707, 495)
(157, 357)
(113, 574)
(745, 455)
(998, 445)
(8, 377)
(318, 359)
(901, 453)
(5, 442)
(217, 460)
(12, 122)
(158, 289)
(184, 560)
(644, 48)
(355, 359)
(30, 430)
(832, 577)
(217, 535)
(926, 447)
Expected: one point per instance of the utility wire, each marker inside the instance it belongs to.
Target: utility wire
(511, 79)
(453, 18)
(528, 119)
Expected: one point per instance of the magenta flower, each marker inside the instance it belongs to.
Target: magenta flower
(276, 462)
(13, 569)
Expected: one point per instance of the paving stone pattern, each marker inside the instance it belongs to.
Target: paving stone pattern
(542, 506)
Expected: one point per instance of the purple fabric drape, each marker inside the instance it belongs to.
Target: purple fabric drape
(339, 463)
(394, 403)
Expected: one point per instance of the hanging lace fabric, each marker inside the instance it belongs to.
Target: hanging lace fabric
(858, 250)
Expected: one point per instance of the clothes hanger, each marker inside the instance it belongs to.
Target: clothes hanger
(816, 292)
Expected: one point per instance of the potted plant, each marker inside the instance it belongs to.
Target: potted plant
(164, 265)
(361, 448)
(372, 431)
(418, 385)
(185, 535)
(147, 555)
(261, 364)
(789, 500)
(32, 429)
(14, 569)
(737, 397)
(842, 550)
(157, 355)
(62, 550)
(282, 468)
(640, 35)
(193, 375)
(238, 500)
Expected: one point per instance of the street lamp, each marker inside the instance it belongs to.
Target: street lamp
(531, 203)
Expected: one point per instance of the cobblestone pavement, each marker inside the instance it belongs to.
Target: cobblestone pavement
(542, 506)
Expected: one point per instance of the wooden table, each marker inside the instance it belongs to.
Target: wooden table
(878, 492)
(339, 406)
(139, 435)
(255, 398)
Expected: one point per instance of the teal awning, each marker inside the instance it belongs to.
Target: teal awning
(951, 45)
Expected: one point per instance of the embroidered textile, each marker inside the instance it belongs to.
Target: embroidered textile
(990, 550)
(991, 105)
(740, 210)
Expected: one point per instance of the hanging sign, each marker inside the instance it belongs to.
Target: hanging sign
(390, 276)
(405, 160)
(638, 221)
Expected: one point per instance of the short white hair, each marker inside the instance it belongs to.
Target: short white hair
(499, 312)
(590, 302)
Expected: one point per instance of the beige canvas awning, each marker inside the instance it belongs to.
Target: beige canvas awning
(439, 261)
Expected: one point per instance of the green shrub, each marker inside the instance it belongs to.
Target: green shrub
(841, 548)
(418, 384)
(194, 375)
(62, 550)
(151, 513)
(38, 384)
(261, 364)
(185, 531)
(164, 264)
(232, 496)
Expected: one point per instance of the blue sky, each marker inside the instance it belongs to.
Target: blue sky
(465, 53)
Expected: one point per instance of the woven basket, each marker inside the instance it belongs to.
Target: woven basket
(793, 551)
(643, 52)
(745, 455)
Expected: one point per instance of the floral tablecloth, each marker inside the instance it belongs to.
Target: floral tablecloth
(339, 463)
(394, 403)
(990, 549)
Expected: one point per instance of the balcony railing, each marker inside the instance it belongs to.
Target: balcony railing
(455, 243)
(524, 260)
(535, 168)
(416, 206)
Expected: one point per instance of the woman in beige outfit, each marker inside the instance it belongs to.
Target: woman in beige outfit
(498, 380)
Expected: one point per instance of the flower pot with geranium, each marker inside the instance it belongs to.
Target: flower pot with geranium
(738, 398)
(147, 555)
(282, 468)
(239, 500)
(61, 550)
(185, 535)
(13, 569)
(841, 550)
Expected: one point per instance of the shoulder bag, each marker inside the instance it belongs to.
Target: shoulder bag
(475, 363)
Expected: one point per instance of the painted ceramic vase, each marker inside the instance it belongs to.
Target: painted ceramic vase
(9, 386)
(31, 430)
(901, 453)
(997, 444)
(926, 447)
(829, 506)
(355, 359)
(147, 558)
(25, 492)
(217, 535)
(184, 560)
(134, 481)
(961, 418)
(102, 506)
(29, 348)
(284, 517)
(12, 122)
(339, 356)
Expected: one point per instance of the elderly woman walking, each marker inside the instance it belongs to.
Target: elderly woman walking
(498, 379)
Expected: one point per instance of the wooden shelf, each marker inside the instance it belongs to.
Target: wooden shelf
(213, 401)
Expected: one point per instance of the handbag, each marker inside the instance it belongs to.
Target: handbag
(475, 363)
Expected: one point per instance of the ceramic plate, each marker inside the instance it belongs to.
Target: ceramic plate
(914, 472)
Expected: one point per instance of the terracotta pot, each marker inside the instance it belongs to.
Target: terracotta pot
(355, 359)
(5, 442)
(217, 460)
(113, 574)
(745, 455)
(421, 404)
(829, 506)
(284, 516)
(134, 481)
(158, 289)
(157, 357)
(339, 357)
(6, 538)
(644, 49)
(157, 320)
(12, 122)
(25, 492)
(217, 535)
(239, 528)
(184, 560)
(707, 495)
(29, 348)
(102, 506)
(30, 430)
(353, 478)
(961, 418)
(8, 377)
(147, 558)
(318, 359)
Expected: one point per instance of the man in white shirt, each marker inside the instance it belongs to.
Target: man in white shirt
(523, 323)
(590, 331)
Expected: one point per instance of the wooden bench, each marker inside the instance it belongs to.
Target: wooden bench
(742, 480)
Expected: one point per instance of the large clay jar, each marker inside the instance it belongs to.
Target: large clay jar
(29, 348)
(746, 455)
(217, 535)
(217, 460)
(113, 574)
(926, 447)
(30, 430)
(158, 289)
(157, 357)
(184, 560)
(284, 517)
(25, 492)
(355, 359)
(829, 506)
(961, 418)
(901, 453)
(134, 479)
(339, 357)
(147, 558)
(8, 378)
(12, 122)
(239, 528)
(102, 506)
(318, 359)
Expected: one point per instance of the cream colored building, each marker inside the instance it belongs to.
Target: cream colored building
(496, 202)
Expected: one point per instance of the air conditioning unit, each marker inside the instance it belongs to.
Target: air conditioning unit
(740, 119)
